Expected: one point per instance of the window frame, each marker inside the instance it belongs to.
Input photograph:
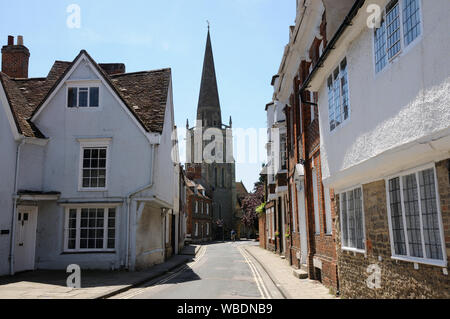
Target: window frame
(404, 48)
(418, 260)
(84, 84)
(347, 248)
(94, 143)
(78, 208)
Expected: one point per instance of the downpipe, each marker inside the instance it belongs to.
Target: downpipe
(129, 199)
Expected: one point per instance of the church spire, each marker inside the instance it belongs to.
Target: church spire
(208, 110)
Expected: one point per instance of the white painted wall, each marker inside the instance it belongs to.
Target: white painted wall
(408, 102)
(129, 169)
(8, 149)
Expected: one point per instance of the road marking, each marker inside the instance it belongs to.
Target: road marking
(256, 275)
(137, 291)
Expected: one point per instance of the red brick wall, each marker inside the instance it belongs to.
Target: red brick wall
(262, 231)
(15, 61)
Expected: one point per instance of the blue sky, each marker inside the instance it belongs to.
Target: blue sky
(248, 38)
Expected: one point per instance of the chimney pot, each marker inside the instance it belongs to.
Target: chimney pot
(20, 40)
(10, 40)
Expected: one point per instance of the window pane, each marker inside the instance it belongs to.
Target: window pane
(396, 217)
(331, 104)
(411, 21)
(83, 97)
(380, 47)
(412, 215)
(393, 28)
(337, 99)
(344, 220)
(72, 97)
(351, 220)
(430, 215)
(93, 97)
(359, 219)
(344, 89)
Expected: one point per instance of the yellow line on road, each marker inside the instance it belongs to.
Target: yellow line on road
(256, 275)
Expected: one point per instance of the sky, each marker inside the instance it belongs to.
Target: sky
(248, 39)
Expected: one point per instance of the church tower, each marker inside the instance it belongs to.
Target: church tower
(209, 146)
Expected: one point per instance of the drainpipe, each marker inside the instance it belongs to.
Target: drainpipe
(13, 219)
(129, 199)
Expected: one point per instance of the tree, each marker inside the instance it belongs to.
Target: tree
(249, 205)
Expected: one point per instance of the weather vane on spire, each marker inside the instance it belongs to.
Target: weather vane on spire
(207, 21)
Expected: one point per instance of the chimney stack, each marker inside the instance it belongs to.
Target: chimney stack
(15, 58)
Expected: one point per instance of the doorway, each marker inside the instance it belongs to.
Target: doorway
(25, 246)
(173, 234)
(302, 222)
(280, 224)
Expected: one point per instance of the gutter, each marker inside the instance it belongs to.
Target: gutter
(347, 22)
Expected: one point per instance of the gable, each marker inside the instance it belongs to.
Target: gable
(143, 95)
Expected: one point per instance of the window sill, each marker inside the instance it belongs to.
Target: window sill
(93, 190)
(81, 252)
(354, 250)
(437, 263)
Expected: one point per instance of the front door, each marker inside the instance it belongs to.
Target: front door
(25, 238)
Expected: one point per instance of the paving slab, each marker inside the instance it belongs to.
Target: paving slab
(51, 284)
(281, 273)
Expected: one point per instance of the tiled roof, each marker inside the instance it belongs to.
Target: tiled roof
(240, 189)
(144, 93)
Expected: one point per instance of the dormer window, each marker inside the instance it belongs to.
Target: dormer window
(83, 96)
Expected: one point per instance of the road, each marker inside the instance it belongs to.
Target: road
(219, 271)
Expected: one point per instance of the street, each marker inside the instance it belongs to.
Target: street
(220, 271)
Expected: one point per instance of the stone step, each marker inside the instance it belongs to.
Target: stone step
(300, 274)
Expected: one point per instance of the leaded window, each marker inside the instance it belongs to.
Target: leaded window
(338, 96)
(352, 220)
(401, 20)
(415, 217)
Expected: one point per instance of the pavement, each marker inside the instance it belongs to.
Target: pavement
(282, 275)
(51, 284)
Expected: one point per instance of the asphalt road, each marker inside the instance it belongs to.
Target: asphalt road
(219, 271)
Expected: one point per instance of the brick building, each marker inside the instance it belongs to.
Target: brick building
(368, 174)
(299, 219)
(384, 121)
(199, 213)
